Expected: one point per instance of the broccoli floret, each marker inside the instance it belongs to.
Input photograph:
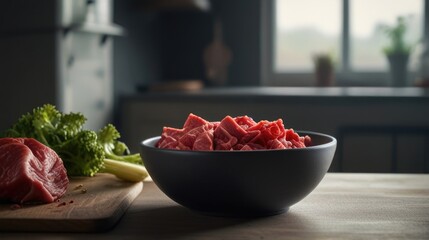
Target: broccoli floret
(82, 155)
(114, 149)
(45, 120)
(84, 152)
(121, 149)
(70, 125)
(38, 124)
(23, 127)
(47, 125)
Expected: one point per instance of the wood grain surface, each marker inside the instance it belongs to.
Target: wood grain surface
(91, 204)
(344, 206)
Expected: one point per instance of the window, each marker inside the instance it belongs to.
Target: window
(301, 32)
(347, 30)
(366, 39)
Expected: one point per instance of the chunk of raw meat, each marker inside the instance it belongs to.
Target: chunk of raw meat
(239, 133)
(227, 134)
(30, 172)
(196, 134)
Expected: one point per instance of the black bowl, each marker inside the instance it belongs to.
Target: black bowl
(239, 183)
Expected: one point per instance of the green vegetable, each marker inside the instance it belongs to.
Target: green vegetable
(82, 155)
(124, 170)
(396, 33)
(114, 149)
(84, 152)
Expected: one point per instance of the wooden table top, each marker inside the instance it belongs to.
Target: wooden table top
(343, 206)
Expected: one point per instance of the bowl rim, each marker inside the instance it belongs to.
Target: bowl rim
(332, 142)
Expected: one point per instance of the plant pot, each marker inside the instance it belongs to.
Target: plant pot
(325, 76)
(398, 65)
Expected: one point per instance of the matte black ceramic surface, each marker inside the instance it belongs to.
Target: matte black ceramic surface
(239, 183)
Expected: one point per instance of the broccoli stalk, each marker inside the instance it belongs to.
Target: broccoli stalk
(117, 160)
(124, 170)
(84, 152)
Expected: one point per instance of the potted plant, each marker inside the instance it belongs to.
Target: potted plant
(324, 69)
(398, 51)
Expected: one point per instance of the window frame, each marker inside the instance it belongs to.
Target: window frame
(344, 77)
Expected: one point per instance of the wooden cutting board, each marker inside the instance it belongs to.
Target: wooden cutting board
(91, 204)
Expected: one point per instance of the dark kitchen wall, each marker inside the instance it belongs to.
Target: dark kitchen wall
(242, 32)
(168, 44)
(136, 54)
(27, 58)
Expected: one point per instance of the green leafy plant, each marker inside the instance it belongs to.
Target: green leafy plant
(396, 34)
(323, 60)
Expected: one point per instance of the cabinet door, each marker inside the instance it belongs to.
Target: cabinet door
(412, 153)
(385, 149)
(367, 152)
(87, 78)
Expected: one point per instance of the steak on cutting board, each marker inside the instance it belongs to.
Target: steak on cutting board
(30, 172)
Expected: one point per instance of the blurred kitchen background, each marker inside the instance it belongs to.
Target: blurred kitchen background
(355, 69)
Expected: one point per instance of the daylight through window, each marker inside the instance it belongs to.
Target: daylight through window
(303, 28)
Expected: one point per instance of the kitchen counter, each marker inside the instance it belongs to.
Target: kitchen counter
(299, 92)
(392, 124)
(343, 206)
